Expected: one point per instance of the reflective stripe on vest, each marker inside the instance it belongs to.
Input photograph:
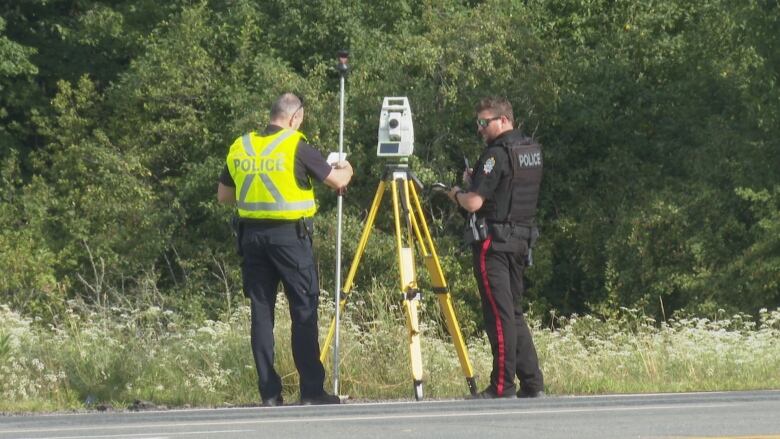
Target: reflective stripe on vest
(301, 202)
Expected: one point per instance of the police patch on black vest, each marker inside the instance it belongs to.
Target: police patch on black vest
(529, 160)
(488, 166)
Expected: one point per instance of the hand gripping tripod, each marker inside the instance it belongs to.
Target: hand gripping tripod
(410, 227)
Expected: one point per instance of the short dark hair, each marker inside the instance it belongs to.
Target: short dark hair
(285, 106)
(498, 105)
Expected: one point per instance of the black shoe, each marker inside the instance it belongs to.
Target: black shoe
(531, 394)
(273, 401)
(490, 393)
(321, 399)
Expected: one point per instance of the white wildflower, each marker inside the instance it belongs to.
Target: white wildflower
(207, 331)
(37, 364)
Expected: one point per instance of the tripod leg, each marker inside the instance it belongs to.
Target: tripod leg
(433, 266)
(445, 304)
(353, 268)
(411, 297)
(411, 307)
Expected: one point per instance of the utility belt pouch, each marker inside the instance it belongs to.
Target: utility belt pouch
(482, 229)
(534, 236)
(476, 230)
(305, 228)
(529, 258)
(500, 232)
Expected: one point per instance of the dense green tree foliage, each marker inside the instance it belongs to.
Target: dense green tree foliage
(659, 121)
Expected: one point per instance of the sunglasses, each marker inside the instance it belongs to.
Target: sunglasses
(482, 123)
(300, 97)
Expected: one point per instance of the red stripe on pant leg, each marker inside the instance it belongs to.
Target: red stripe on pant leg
(499, 327)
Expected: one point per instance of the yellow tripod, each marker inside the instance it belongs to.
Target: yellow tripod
(408, 215)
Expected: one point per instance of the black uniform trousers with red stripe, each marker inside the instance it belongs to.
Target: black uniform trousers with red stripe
(500, 280)
(281, 253)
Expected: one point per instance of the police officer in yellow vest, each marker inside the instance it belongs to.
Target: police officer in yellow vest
(269, 177)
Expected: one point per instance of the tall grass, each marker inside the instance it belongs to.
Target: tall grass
(114, 356)
(637, 354)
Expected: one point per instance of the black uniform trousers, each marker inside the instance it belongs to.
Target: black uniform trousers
(500, 280)
(274, 253)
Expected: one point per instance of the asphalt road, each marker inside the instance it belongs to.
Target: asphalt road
(744, 415)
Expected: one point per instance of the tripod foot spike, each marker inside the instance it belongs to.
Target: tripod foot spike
(418, 390)
(472, 383)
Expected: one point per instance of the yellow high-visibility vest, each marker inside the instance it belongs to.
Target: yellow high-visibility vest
(263, 169)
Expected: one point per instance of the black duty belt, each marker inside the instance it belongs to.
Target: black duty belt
(265, 222)
(523, 231)
(303, 226)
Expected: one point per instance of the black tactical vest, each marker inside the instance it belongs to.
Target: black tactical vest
(516, 201)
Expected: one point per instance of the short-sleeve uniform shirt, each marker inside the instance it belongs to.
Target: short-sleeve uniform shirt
(489, 178)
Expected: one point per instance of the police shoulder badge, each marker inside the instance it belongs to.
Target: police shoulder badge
(489, 164)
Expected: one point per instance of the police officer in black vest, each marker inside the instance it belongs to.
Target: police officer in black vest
(501, 199)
